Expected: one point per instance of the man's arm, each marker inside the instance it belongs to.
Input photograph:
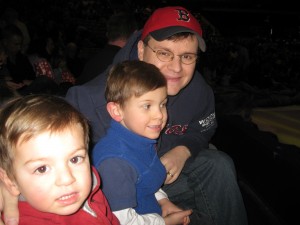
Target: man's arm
(9, 207)
(192, 120)
(174, 160)
(203, 123)
(191, 126)
(89, 99)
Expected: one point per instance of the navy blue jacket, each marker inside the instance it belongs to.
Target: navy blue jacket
(191, 112)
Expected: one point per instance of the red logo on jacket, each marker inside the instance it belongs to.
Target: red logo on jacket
(176, 129)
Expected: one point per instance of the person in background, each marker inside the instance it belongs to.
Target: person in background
(50, 67)
(73, 60)
(6, 93)
(44, 161)
(11, 16)
(119, 28)
(20, 71)
(136, 95)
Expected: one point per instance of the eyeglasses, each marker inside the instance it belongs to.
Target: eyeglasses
(167, 56)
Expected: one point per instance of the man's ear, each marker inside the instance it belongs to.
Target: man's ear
(141, 47)
(9, 184)
(115, 111)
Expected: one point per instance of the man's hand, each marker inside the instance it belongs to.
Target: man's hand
(174, 161)
(9, 206)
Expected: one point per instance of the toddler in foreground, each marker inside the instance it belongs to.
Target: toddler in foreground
(44, 160)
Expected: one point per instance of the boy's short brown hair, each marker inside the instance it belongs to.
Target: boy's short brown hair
(25, 117)
(132, 78)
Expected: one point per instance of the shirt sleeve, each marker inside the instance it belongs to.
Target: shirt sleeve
(130, 217)
(118, 183)
(160, 194)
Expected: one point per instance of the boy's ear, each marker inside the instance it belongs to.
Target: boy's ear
(10, 185)
(114, 111)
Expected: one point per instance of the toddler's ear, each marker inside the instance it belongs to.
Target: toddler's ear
(114, 111)
(10, 185)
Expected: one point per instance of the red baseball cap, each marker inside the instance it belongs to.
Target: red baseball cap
(167, 21)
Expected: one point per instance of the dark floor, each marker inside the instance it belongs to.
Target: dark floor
(269, 172)
(258, 210)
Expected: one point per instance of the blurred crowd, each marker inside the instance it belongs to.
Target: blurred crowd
(46, 44)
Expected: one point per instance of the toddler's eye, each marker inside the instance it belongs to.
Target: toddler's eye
(76, 159)
(41, 169)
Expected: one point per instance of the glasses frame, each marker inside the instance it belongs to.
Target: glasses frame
(173, 55)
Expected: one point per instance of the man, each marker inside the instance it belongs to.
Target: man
(198, 177)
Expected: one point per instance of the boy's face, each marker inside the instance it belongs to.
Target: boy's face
(177, 74)
(52, 171)
(146, 115)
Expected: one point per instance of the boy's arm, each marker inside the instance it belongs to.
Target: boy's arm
(170, 212)
(118, 183)
(167, 207)
(160, 194)
(130, 217)
(116, 187)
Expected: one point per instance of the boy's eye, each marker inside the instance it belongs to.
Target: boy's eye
(146, 106)
(40, 170)
(76, 159)
(163, 105)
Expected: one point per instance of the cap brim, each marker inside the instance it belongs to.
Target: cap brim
(167, 32)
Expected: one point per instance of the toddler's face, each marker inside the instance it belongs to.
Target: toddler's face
(52, 171)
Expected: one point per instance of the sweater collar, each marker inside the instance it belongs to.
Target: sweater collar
(130, 136)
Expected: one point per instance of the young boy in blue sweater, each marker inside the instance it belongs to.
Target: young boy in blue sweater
(126, 157)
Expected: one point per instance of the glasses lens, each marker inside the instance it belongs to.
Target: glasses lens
(188, 58)
(167, 56)
(164, 56)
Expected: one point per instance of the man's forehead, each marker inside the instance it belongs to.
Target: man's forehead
(188, 42)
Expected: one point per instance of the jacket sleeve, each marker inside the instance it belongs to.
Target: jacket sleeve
(89, 99)
(192, 120)
(202, 127)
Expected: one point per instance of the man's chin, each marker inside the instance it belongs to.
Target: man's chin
(173, 91)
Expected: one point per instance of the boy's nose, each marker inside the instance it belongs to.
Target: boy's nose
(64, 177)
